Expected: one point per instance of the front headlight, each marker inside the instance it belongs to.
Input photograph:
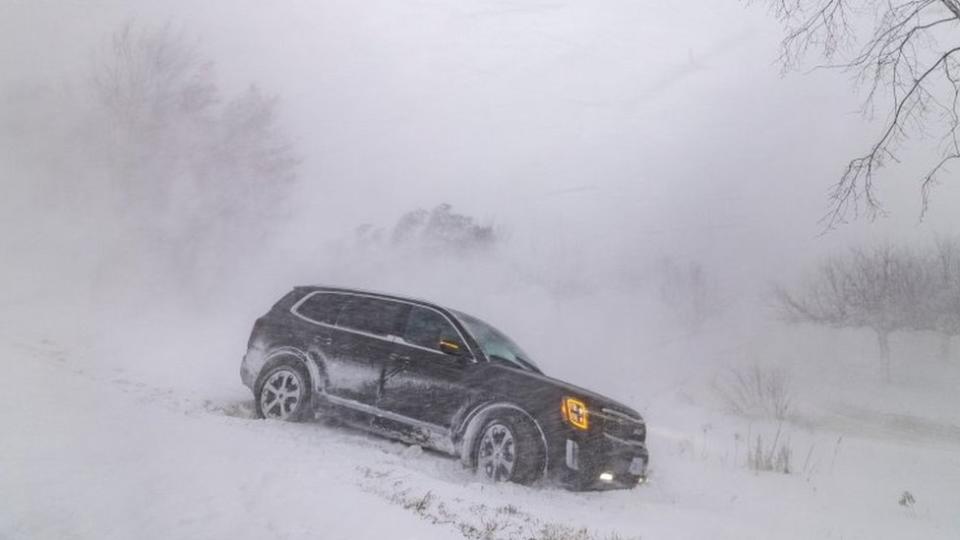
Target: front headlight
(575, 413)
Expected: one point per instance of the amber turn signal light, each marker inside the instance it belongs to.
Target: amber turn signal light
(575, 413)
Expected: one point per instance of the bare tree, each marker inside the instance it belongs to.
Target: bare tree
(690, 292)
(883, 289)
(944, 316)
(910, 65)
(149, 78)
(200, 175)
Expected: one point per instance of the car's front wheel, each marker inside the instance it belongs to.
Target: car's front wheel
(283, 391)
(510, 449)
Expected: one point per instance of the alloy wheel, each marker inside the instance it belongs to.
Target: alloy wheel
(281, 394)
(496, 456)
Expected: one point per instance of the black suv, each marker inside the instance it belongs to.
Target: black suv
(428, 375)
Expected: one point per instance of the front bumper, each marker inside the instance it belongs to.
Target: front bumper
(595, 461)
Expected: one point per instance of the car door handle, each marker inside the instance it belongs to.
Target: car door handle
(398, 357)
(323, 340)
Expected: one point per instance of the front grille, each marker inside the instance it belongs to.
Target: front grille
(622, 427)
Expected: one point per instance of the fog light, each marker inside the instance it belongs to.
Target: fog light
(606, 477)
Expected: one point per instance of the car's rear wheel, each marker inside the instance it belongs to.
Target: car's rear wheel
(509, 449)
(283, 391)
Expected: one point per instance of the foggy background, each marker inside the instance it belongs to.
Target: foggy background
(606, 145)
(618, 185)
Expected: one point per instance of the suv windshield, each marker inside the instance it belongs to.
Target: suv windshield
(495, 344)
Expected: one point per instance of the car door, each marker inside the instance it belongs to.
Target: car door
(422, 382)
(365, 330)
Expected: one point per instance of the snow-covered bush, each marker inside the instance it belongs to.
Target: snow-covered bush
(440, 230)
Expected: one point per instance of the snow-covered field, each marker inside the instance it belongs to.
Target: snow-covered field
(149, 434)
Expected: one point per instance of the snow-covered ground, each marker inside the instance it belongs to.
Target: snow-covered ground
(149, 434)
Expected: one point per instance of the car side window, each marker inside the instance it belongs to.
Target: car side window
(426, 327)
(371, 315)
(323, 307)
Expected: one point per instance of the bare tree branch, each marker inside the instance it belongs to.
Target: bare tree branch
(904, 58)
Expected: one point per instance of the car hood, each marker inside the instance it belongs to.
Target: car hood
(538, 382)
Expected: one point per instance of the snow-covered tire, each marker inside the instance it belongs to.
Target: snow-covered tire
(284, 391)
(509, 448)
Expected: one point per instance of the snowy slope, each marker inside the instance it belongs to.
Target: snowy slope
(100, 443)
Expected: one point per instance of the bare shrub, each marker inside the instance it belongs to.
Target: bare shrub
(561, 532)
(756, 392)
(419, 505)
(557, 532)
(770, 457)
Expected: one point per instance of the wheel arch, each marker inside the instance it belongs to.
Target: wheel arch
(472, 424)
(315, 372)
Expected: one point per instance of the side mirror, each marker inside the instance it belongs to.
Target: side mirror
(450, 347)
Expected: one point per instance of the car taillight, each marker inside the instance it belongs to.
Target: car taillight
(575, 413)
(255, 332)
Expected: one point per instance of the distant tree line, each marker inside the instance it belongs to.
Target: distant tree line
(884, 288)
